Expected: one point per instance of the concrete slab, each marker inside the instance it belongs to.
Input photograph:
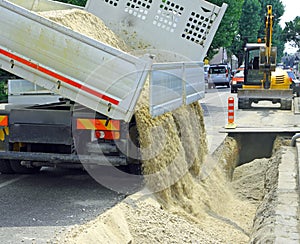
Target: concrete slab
(249, 129)
(296, 105)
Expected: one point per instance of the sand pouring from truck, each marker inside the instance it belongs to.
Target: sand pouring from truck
(260, 62)
(99, 85)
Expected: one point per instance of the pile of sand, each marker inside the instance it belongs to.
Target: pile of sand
(86, 24)
(189, 207)
(245, 180)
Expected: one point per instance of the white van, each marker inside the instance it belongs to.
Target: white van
(218, 75)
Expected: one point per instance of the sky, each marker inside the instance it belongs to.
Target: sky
(292, 10)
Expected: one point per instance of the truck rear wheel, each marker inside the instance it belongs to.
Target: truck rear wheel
(133, 159)
(286, 104)
(20, 169)
(5, 167)
(244, 103)
(211, 86)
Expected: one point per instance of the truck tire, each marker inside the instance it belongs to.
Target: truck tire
(286, 104)
(211, 86)
(5, 167)
(240, 103)
(20, 169)
(134, 163)
(243, 103)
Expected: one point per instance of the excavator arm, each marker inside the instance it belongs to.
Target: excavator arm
(268, 47)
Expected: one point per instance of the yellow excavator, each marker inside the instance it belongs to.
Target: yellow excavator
(260, 62)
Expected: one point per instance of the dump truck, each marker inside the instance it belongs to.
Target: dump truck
(260, 62)
(96, 86)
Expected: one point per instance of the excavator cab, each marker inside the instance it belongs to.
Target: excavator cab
(256, 66)
(253, 75)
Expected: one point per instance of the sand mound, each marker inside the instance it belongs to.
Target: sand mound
(190, 208)
(86, 24)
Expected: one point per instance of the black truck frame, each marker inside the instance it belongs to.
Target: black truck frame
(64, 134)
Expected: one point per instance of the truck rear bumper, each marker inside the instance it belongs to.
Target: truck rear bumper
(46, 159)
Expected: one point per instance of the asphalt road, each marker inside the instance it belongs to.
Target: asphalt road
(214, 107)
(263, 116)
(34, 208)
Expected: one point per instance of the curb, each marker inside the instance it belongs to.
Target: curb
(286, 210)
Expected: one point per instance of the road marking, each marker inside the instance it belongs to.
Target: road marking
(6, 183)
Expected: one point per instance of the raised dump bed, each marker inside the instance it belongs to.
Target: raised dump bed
(65, 62)
(179, 28)
(97, 75)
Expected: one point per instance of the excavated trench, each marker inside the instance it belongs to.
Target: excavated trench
(256, 145)
(267, 177)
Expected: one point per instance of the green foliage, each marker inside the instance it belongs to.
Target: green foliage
(291, 32)
(228, 28)
(3, 91)
(250, 22)
(74, 2)
(4, 77)
(3, 85)
(278, 10)
(249, 25)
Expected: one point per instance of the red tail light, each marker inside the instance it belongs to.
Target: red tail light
(108, 135)
(3, 120)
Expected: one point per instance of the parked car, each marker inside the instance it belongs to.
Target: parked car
(295, 83)
(218, 75)
(237, 80)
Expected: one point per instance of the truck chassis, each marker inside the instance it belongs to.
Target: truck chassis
(65, 134)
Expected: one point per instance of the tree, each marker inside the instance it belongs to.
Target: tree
(228, 28)
(291, 32)
(250, 23)
(249, 26)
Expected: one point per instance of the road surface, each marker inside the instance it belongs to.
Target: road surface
(263, 116)
(34, 208)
